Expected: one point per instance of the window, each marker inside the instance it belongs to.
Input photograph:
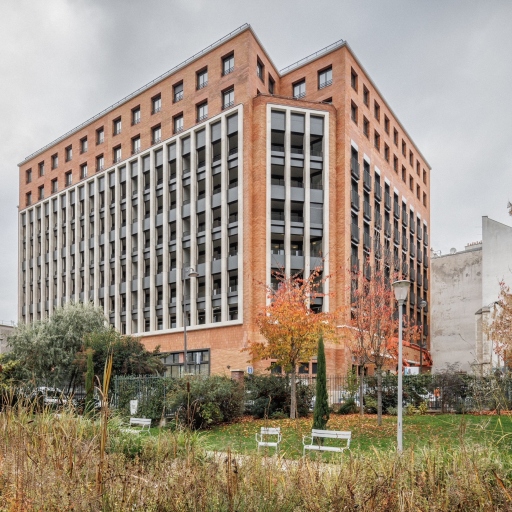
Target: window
(55, 161)
(395, 136)
(116, 129)
(417, 167)
(156, 104)
(136, 115)
(386, 124)
(324, 78)
(228, 64)
(68, 178)
(395, 163)
(41, 168)
(424, 199)
(353, 112)
(228, 98)
(135, 145)
(366, 96)
(271, 85)
(178, 92)
(84, 146)
(418, 191)
(69, 153)
(100, 135)
(299, 89)
(411, 182)
(178, 123)
(424, 176)
(202, 111)
(100, 162)
(28, 176)
(116, 154)
(202, 78)
(41, 192)
(376, 140)
(366, 127)
(156, 134)
(28, 198)
(353, 79)
(386, 152)
(54, 186)
(260, 69)
(411, 158)
(404, 148)
(376, 110)
(83, 171)
(403, 174)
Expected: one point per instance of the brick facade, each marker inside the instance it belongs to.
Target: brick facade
(411, 179)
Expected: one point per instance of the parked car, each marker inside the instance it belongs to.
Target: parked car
(48, 397)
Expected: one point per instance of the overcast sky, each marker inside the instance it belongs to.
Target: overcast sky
(444, 66)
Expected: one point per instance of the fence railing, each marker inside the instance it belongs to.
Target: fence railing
(441, 392)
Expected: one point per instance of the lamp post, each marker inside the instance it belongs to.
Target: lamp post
(186, 273)
(423, 305)
(401, 289)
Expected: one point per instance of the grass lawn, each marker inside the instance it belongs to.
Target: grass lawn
(446, 430)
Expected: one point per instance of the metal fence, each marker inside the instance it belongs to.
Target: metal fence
(441, 392)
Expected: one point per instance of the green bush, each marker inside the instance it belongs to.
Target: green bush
(205, 402)
(348, 407)
(268, 395)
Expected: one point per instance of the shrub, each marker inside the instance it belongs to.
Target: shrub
(348, 407)
(270, 394)
(205, 402)
(392, 411)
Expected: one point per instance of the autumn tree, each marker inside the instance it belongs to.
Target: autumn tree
(373, 327)
(291, 329)
(499, 328)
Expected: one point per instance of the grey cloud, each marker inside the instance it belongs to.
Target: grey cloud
(443, 66)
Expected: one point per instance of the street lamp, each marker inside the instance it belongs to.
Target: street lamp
(401, 289)
(423, 305)
(186, 274)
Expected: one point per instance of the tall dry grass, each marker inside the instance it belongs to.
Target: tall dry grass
(50, 463)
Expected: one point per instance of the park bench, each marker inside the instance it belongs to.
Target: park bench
(326, 434)
(143, 423)
(269, 437)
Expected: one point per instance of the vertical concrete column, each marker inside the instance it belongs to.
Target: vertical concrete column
(208, 223)
(287, 201)
(326, 210)
(152, 234)
(165, 233)
(241, 212)
(129, 247)
(307, 196)
(140, 247)
(87, 234)
(224, 223)
(193, 227)
(179, 234)
(117, 264)
(96, 240)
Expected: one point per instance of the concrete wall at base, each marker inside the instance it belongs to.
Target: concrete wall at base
(456, 297)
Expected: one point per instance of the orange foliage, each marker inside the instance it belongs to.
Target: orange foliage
(499, 329)
(290, 327)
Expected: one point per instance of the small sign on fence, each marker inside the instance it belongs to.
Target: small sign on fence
(134, 404)
(250, 370)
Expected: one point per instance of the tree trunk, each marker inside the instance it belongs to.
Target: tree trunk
(379, 395)
(293, 392)
(361, 388)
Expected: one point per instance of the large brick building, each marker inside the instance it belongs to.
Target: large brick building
(230, 167)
